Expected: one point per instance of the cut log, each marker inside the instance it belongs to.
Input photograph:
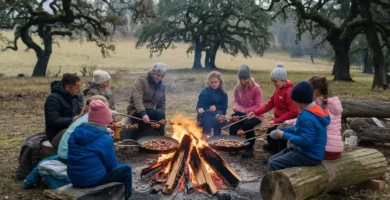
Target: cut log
(353, 108)
(196, 166)
(178, 164)
(188, 185)
(304, 182)
(154, 169)
(114, 191)
(220, 166)
(212, 189)
(367, 130)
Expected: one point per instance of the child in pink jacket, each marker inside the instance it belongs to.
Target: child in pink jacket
(322, 96)
(247, 97)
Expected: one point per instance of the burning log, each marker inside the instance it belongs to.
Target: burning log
(220, 166)
(196, 166)
(188, 185)
(152, 170)
(304, 182)
(178, 164)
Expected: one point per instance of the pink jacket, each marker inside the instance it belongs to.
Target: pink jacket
(250, 99)
(334, 142)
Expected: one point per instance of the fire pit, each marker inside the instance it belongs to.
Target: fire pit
(194, 166)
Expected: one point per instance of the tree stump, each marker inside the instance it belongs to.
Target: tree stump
(304, 182)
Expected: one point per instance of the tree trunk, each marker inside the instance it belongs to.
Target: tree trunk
(342, 63)
(304, 182)
(312, 59)
(198, 56)
(41, 66)
(353, 108)
(367, 63)
(211, 55)
(43, 56)
(367, 130)
(378, 60)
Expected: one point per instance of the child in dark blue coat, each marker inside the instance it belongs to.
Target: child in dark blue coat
(308, 134)
(212, 105)
(91, 155)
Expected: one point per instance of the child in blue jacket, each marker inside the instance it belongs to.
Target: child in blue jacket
(308, 134)
(91, 155)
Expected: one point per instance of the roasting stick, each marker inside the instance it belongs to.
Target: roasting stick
(132, 117)
(259, 128)
(235, 122)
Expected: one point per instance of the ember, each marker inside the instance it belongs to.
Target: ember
(194, 166)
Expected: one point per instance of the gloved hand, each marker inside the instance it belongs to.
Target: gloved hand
(274, 134)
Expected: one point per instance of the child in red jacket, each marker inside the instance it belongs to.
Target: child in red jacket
(284, 107)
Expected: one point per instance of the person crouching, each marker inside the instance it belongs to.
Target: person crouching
(91, 155)
(308, 134)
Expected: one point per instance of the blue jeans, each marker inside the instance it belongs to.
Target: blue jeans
(209, 121)
(290, 157)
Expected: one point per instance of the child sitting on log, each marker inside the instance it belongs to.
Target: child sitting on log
(323, 96)
(91, 155)
(309, 133)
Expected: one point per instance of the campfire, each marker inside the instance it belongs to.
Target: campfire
(194, 166)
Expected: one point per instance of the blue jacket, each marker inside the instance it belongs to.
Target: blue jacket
(91, 154)
(309, 132)
(210, 97)
(63, 146)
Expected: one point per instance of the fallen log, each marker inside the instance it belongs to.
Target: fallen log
(304, 182)
(367, 130)
(354, 108)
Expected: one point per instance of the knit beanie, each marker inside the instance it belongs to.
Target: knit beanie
(302, 92)
(100, 76)
(99, 113)
(279, 73)
(159, 68)
(244, 72)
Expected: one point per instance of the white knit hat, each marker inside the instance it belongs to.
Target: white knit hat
(159, 68)
(100, 76)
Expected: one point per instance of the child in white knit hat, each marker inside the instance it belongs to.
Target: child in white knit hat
(100, 86)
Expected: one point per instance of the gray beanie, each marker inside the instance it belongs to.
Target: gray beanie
(100, 76)
(158, 68)
(279, 73)
(244, 72)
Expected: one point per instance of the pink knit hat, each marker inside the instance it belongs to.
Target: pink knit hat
(99, 113)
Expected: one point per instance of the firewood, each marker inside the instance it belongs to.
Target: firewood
(305, 182)
(220, 166)
(196, 166)
(152, 170)
(178, 164)
(188, 185)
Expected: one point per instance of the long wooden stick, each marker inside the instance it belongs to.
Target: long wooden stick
(132, 117)
(235, 122)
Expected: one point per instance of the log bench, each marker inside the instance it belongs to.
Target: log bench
(304, 182)
(112, 191)
(47, 149)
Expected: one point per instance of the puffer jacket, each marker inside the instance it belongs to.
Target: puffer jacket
(209, 97)
(146, 95)
(30, 154)
(95, 89)
(60, 109)
(334, 142)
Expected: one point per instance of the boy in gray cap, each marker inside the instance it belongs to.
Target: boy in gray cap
(147, 100)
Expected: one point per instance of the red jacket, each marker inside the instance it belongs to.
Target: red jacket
(284, 107)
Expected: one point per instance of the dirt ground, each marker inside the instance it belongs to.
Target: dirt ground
(22, 114)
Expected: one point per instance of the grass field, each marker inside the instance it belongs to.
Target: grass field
(22, 99)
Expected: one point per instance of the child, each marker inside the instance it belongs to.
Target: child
(100, 86)
(284, 107)
(82, 118)
(212, 104)
(322, 96)
(91, 156)
(247, 97)
(308, 134)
